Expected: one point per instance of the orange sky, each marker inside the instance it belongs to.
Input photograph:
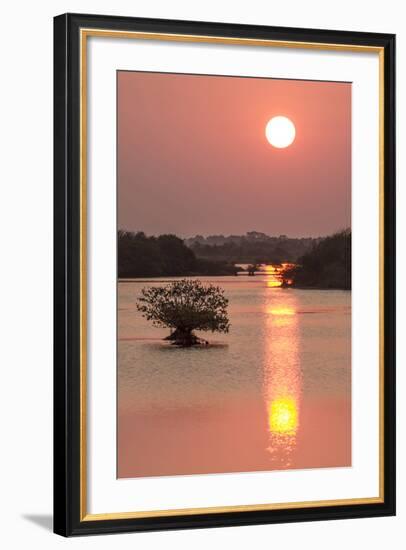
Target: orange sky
(193, 157)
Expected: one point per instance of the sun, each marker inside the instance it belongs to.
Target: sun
(280, 132)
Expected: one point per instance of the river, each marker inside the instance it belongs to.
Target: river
(273, 394)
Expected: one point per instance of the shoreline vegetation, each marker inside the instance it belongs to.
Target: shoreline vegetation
(326, 266)
(306, 263)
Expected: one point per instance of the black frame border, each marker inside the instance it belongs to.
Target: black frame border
(67, 520)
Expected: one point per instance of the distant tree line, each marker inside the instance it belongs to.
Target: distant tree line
(324, 262)
(141, 256)
(327, 265)
(254, 247)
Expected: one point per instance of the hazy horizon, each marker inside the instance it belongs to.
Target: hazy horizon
(193, 157)
(242, 234)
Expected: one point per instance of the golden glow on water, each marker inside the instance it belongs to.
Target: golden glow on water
(275, 275)
(282, 311)
(282, 377)
(273, 284)
(283, 416)
(273, 278)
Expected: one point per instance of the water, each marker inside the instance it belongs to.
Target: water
(273, 394)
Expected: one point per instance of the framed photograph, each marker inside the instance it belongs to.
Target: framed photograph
(224, 274)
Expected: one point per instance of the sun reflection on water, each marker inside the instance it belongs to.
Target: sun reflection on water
(282, 377)
(273, 278)
(275, 275)
(281, 311)
(283, 416)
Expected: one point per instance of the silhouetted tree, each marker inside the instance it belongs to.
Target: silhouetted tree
(326, 265)
(185, 306)
(177, 259)
(166, 255)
